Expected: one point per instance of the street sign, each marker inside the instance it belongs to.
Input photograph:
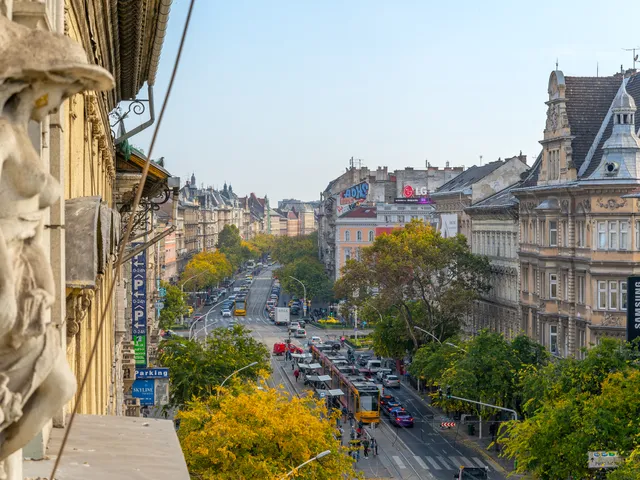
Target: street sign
(140, 350)
(143, 373)
(604, 459)
(144, 390)
(162, 292)
(633, 308)
(139, 306)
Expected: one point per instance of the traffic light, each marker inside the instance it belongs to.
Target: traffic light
(440, 393)
(448, 392)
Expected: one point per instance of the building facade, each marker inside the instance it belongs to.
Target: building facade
(354, 231)
(579, 214)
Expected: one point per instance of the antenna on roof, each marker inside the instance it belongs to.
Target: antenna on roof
(635, 57)
(597, 69)
(556, 63)
(480, 160)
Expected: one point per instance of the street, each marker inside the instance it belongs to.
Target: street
(421, 452)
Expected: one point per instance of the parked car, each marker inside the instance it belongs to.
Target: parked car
(391, 381)
(402, 419)
(226, 312)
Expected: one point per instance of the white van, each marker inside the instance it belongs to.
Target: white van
(301, 333)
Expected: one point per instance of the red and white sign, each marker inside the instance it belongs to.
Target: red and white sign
(408, 191)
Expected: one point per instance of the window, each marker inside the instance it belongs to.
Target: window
(371, 235)
(525, 279)
(347, 236)
(623, 295)
(543, 233)
(553, 339)
(602, 295)
(525, 232)
(553, 164)
(387, 218)
(582, 343)
(347, 254)
(565, 286)
(624, 235)
(359, 236)
(581, 289)
(637, 234)
(613, 235)
(613, 295)
(553, 233)
(553, 285)
(565, 236)
(358, 252)
(602, 235)
(401, 218)
(580, 234)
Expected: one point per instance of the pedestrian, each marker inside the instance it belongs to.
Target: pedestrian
(374, 446)
(293, 365)
(344, 413)
(365, 448)
(296, 373)
(353, 433)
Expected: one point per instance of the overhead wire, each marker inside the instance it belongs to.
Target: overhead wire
(123, 243)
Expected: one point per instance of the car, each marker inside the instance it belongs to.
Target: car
(402, 419)
(301, 333)
(294, 311)
(394, 411)
(383, 372)
(391, 381)
(389, 405)
(231, 297)
(384, 399)
(315, 341)
(232, 324)
(293, 326)
(226, 312)
(302, 323)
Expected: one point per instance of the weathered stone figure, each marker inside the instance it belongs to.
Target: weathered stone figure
(38, 70)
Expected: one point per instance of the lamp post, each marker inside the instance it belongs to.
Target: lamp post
(455, 346)
(304, 299)
(429, 333)
(239, 370)
(317, 457)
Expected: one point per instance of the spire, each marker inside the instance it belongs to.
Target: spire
(193, 179)
(621, 151)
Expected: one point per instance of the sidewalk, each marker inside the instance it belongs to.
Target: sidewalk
(372, 467)
(460, 434)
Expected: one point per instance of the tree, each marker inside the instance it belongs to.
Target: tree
(416, 264)
(206, 269)
(174, 305)
(289, 249)
(229, 239)
(263, 243)
(196, 368)
(261, 433)
(311, 273)
(432, 360)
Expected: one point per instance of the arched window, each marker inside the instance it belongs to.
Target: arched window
(347, 236)
(359, 236)
(371, 235)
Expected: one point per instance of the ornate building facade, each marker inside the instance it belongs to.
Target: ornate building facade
(579, 218)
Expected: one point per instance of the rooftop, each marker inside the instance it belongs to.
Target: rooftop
(469, 177)
(361, 212)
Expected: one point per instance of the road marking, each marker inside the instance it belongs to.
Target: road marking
(398, 461)
(467, 462)
(433, 463)
(458, 462)
(445, 464)
(420, 462)
(478, 462)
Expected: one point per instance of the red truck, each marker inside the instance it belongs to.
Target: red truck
(280, 347)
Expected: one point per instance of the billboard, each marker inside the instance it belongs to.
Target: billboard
(351, 198)
(145, 391)
(449, 225)
(633, 308)
(415, 200)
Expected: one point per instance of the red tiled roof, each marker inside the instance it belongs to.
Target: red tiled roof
(362, 212)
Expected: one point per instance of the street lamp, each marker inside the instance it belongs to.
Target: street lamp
(455, 346)
(317, 457)
(429, 333)
(239, 370)
(304, 300)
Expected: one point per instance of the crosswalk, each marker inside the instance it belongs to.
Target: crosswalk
(246, 319)
(437, 462)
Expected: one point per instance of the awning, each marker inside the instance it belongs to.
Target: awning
(336, 393)
(314, 365)
(313, 378)
(324, 378)
(301, 355)
(92, 232)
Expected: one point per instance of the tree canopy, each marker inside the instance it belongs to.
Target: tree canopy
(196, 368)
(206, 269)
(261, 432)
(417, 265)
(311, 273)
(174, 305)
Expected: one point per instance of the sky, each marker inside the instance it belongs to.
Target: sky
(274, 97)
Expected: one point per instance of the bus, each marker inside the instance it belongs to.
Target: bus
(362, 398)
(240, 307)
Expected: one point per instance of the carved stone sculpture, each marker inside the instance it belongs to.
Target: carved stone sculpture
(38, 70)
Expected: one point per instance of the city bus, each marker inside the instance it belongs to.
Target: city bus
(240, 307)
(360, 397)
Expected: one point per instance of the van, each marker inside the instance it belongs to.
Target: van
(374, 365)
(301, 333)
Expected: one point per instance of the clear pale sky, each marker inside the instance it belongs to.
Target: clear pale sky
(275, 96)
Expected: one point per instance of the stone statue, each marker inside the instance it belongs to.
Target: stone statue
(38, 71)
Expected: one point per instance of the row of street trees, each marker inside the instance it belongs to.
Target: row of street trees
(245, 429)
(299, 259)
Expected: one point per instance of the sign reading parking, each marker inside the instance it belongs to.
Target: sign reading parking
(139, 306)
(152, 373)
(633, 308)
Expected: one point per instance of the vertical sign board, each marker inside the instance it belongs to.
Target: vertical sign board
(139, 306)
(633, 308)
(145, 391)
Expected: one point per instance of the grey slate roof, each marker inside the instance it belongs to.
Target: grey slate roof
(502, 199)
(531, 179)
(588, 100)
(469, 177)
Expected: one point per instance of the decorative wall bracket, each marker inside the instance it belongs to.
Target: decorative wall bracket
(611, 204)
(78, 306)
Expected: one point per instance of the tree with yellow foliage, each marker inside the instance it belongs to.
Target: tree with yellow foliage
(207, 269)
(256, 432)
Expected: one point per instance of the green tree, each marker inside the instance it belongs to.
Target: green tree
(432, 360)
(416, 264)
(263, 243)
(174, 306)
(206, 269)
(311, 273)
(261, 433)
(287, 250)
(195, 368)
(229, 239)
